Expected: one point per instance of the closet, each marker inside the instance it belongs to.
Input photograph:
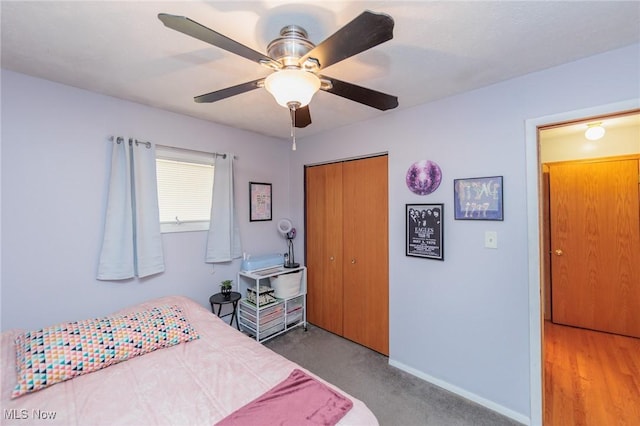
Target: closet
(347, 255)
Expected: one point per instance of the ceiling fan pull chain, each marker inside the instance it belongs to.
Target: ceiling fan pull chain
(292, 110)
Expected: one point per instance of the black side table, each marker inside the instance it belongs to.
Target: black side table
(218, 299)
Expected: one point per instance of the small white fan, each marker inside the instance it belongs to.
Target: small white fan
(285, 227)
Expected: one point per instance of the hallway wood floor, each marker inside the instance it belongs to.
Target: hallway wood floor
(590, 378)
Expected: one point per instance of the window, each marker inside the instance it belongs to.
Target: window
(185, 184)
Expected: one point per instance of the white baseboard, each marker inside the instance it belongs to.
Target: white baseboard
(519, 417)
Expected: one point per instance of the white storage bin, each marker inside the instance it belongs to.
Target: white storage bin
(266, 314)
(271, 330)
(286, 285)
(294, 304)
(294, 317)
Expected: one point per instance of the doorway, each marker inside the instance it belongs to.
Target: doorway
(592, 261)
(536, 242)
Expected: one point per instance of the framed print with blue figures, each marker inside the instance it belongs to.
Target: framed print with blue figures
(478, 198)
(425, 237)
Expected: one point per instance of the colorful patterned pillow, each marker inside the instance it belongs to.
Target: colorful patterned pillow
(54, 354)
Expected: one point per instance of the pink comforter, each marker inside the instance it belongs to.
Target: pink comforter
(195, 383)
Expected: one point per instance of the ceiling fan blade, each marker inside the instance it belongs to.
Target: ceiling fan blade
(302, 117)
(367, 30)
(196, 30)
(228, 92)
(365, 96)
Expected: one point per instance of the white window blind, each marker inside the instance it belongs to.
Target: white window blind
(185, 184)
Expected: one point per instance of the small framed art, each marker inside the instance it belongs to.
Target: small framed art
(259, 201)
(425, 232)
(478, 198)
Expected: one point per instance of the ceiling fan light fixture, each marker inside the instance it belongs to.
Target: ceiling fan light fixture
(594, 131)
(292, 86)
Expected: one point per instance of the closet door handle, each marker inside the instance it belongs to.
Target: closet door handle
(353, 261)
(331, 258)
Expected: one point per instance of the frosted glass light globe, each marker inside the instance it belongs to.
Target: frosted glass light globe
(292, 85)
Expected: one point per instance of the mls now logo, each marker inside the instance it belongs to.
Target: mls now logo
(23, 414)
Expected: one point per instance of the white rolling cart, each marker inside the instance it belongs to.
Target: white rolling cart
(265, 321)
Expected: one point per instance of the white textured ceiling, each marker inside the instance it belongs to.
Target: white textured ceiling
(439, 49)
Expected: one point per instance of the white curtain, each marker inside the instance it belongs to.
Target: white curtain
(223, 239)
(132, 245)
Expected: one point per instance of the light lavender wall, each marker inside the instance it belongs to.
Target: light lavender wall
(55, 159)
(463, 323)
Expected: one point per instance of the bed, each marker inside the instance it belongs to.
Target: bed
(199, 382)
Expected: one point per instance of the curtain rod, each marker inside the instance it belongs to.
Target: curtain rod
(120, 139)
(217, 154)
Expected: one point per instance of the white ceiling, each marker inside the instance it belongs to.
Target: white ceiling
(439, 49)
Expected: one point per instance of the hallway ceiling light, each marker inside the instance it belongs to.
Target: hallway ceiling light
(594, 131)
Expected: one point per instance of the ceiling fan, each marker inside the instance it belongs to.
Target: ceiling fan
(297, 62)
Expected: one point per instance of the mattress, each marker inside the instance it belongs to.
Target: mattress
(195, 383)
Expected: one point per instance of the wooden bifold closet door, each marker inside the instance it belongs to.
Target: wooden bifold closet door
(347, 250)
(323, 240)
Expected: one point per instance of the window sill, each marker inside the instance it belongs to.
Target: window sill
(168, 228)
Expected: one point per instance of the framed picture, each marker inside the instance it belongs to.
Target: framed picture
(478, 198)
(259, 201)
(425, 232)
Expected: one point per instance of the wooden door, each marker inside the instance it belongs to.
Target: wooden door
(595, 245)
(324, 246)
(366, 253)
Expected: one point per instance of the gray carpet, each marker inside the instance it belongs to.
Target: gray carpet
(395, 397)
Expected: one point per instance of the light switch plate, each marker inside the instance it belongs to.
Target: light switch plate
(491, 239)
